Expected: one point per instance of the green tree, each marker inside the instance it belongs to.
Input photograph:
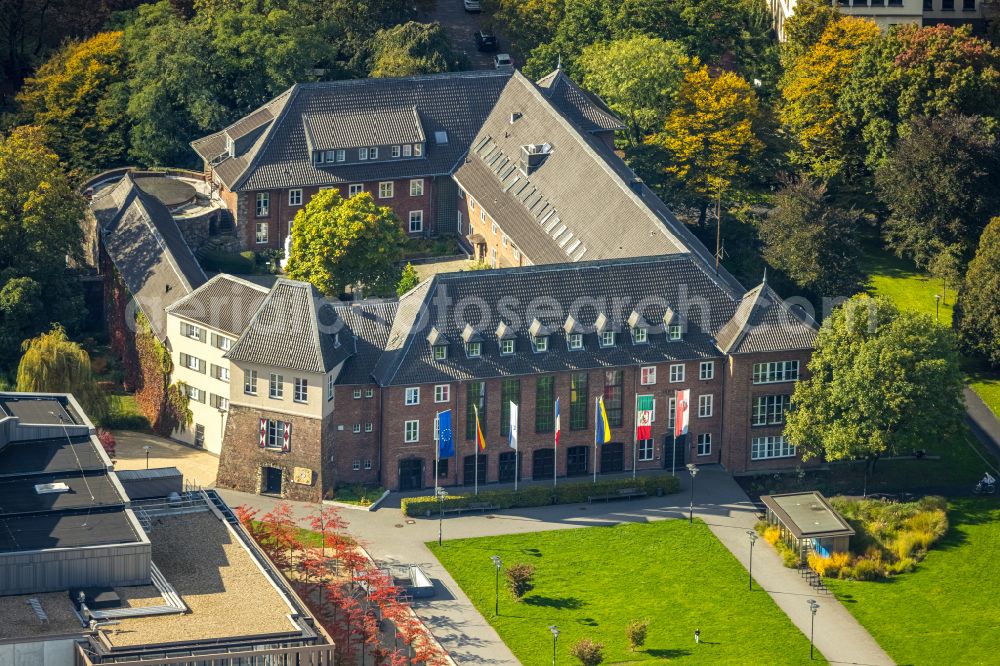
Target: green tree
(22, 315)
(638, 77)
(77, 96)
(806, 26)
(946, 265)
(338, 242)
(810, 89)
(709, 136)
(527, 23)
(810, 238)
(412, 48)
(939, 183)
(408, 280)
(930, 71)
(977, 311)
(52, 363)
(881, 382)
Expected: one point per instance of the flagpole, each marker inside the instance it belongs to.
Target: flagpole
(477, 464)
(555, 447)
(437, 449)
(635, 426)
(597, 416)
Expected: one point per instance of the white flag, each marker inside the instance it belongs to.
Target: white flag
(512, 437)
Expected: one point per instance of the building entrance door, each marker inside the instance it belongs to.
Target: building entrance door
(612, 457)
(271, 481)
(411, 474)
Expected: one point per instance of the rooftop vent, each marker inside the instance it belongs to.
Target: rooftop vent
(533, 156)
(440, 137)
(514, 117)
(49, 488)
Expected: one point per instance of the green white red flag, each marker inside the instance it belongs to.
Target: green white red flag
(644, 417)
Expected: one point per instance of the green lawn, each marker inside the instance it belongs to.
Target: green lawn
(946, 612)
(591, 582)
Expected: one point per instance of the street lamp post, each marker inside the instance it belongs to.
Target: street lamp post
(937, 307)
(146, 449)
(441, 494)
(497, 562)
(555, 637)
(813, 607)
(693, 471)
(753, 539)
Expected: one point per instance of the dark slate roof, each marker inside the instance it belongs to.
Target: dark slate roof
(550, 293)
(455, 102)
(147, 248)
(363, 129)
(225, 303)
(291, 330)
(576, 205)
(369, 322)
(584, 110)
(763, 322)
(212, 148)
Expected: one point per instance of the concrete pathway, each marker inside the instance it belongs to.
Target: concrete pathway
(984, 424)
(719, 501)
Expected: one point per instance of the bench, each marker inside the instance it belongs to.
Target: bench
(482, 507)
(624, 493)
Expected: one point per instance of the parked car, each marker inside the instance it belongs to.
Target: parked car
(473, 6)
(486, 41)
(502, 60)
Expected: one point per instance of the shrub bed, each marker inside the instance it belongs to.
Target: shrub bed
(226, 262)
(568, 493)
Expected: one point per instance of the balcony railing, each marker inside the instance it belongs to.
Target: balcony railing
(308, 655)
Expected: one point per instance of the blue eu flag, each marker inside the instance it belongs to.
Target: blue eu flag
(446, 442)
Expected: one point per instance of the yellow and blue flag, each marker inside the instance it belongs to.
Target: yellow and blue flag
(602, 432)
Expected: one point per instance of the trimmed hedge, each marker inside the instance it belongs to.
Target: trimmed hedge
(566, 493)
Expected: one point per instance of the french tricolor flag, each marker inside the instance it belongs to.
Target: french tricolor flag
(557, 423)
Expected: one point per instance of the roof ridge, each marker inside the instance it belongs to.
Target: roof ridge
(463, 74)
(411, 332)
(157, 234)
(268, 135)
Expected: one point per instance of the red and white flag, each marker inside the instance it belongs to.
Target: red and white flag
(644, 417)
(682, 412)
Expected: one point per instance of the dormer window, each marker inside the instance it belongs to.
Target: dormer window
(575, 341)
(674, 332)
(474, 349)
(319, 157)
(506, 337)
(440, 352)
(330, 156)
(396, 151)
(574, 334)
(362, 154)
(605, 334)
(539, 333)
(675, 324)
(507, 347)
(608, 339)
(341, 155)
(473, 342)
(407, 150)
(418, 149)
(639, 327)
(439, 344)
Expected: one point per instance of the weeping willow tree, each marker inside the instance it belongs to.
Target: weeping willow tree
(52, 363)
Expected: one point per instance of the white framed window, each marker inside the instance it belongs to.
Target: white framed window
(396, 152)
(411, 431)
(329, 387)
(356, 465)
(575, 341)
(645, 450)
(341, 155)
(368, 463)
(706, 404)
(355, 188)
(482, 214)
(295, 197)
(301, 390)
(263, 204)
(362, 153)
(506, 240)
(262, 232)
(220, 402)
(329, 156)
(495, 228)
(517, 255)
(440, 352)
(706, 370)
(671, 409)
(356, 428)
(674, 332)
(540, 343)
(493, 257)
(385, 189)
(194, 393)
(223, 343)
(676, 373)
(775, 372)
(607, 338)
(221, 373)
(369, 426)
(192, 331)
(762, 448)
(474, 349)
(373, 153)
(275, 434)
(705, 444)
(369, 392)
(319, 157)
(640, 335)
(416, 221)
(276, 387)
(507, 347)
(413, 395)
(460, 226)
(418, 149)
(769, 409)
(417, 187)
(357, 394)
(647, 376)
(192, 362)
(442, 392)
(407, 150)
(250, 382)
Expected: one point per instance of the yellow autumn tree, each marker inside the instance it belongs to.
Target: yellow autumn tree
(77, 97)
(709, 135)
(810, 88)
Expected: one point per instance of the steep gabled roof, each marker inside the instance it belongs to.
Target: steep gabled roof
(763, 322)
(147, 248)
(587, 290)
(292, 330)
(370, 323)
(584, 110)
(453, 102)
(226, 303)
